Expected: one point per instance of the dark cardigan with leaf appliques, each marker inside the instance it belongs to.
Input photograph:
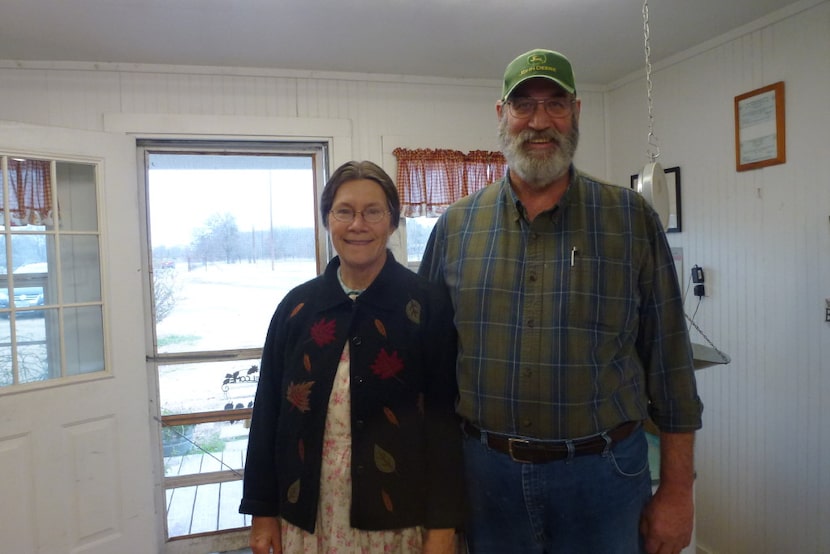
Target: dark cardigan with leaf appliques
(406, 443)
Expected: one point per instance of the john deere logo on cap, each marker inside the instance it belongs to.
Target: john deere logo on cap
(547, 64)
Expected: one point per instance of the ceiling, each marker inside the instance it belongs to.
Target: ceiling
(441, 38)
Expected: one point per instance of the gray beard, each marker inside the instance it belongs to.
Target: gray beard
(538, 171)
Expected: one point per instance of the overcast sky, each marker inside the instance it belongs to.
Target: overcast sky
(181, 200)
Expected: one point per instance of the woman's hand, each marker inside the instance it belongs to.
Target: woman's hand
(266, 536)
(439, 541)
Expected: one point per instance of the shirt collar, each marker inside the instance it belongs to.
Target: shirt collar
(375, 294)
(518, 208)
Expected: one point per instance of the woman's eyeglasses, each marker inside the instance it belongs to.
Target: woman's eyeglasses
(370, 215)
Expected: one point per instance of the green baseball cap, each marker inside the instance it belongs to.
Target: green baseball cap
(539, 63)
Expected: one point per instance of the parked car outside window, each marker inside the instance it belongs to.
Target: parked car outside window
(26, 296)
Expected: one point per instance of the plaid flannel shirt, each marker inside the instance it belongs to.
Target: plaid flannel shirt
(570, 324)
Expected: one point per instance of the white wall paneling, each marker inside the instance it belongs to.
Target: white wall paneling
(763, 239)
(762, 236)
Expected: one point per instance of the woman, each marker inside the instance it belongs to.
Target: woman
(354, 443)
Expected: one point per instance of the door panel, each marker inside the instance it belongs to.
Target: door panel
(75, 452)
(231, 228)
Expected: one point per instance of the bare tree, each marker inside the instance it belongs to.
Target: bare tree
(166, 289)
(217, 240)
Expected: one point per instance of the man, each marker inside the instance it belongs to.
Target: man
(571, 335)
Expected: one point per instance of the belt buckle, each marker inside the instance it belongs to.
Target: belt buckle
(510, 443)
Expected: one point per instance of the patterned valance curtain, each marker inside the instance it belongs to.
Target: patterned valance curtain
(29, 192)
(482, 168)
(429, 180)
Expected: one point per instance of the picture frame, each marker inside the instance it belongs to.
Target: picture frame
(673, 185)
(760, 130)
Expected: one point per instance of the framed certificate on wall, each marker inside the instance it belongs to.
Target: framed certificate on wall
(759, 128)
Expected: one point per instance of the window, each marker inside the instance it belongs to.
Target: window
(430, 180)
(51, 307)
(231, 228)
(418, 230)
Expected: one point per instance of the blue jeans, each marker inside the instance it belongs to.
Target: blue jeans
(584, 505)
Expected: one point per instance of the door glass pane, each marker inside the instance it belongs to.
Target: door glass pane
(33, 362)
(208, 386)
(50, 271)
(223, 514)
(81, 278)
(30, 254)
(78, 206)
(84, 342)
(230, 236)
(6, 354)
(215, 446)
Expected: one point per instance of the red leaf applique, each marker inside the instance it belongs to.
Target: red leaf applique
(387, 365)
(322, 332)
(298, 395)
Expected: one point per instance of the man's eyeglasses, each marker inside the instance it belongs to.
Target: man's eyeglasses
(370, 215)
(523, 108)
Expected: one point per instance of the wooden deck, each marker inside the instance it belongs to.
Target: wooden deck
(204, 508)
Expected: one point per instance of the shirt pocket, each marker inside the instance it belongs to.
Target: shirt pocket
(601, 295)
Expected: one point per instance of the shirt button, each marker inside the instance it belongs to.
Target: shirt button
(532, 277)
(527, 372)
(356, 341)
(359, 424)
(527, 424)
(531, 323)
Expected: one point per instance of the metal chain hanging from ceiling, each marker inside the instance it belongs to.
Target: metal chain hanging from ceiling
(651, 181)
(653, 172)
(653, 149)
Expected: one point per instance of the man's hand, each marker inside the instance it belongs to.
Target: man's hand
(668, 520)
(266, 536)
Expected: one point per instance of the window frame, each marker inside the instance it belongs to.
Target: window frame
(64, 332)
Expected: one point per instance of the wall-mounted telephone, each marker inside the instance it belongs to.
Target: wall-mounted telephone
(697, 279)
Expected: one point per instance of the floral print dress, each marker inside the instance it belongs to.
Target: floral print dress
(333, 532)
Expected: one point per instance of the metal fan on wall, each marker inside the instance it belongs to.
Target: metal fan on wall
(651, 184)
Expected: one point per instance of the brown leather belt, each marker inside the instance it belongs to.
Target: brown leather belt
(539, 452)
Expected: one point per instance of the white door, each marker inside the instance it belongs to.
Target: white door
(76, 458)
(231, 228)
